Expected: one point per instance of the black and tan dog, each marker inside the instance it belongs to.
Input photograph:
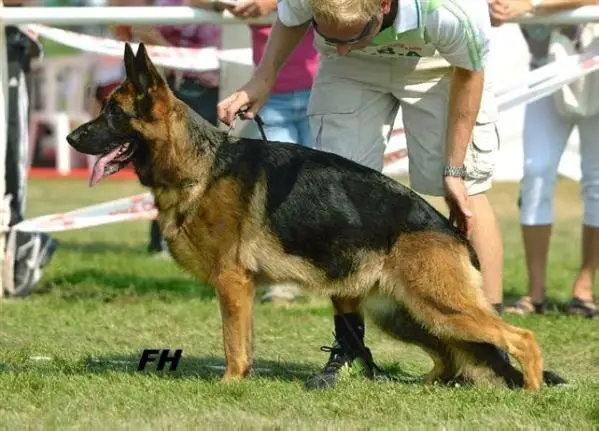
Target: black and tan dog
(234, 209)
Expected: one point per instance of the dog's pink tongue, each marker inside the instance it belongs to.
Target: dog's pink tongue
(100, 166)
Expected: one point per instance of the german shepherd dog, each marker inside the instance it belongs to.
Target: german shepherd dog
(234, 209)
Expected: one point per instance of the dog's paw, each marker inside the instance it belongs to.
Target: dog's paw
(552, 379)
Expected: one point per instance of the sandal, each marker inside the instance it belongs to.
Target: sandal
(524, 306)
(579, 307)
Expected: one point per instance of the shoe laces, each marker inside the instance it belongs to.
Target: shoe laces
(340, 355)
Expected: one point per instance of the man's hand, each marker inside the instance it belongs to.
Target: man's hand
(457, 201)
(215, 6)
(253, 8)
(281, 43)
(465, 96)
(250, 97)
(122, 32)
(504, 10)
(148, 34)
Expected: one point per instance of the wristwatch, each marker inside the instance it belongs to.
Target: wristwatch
(452, 171)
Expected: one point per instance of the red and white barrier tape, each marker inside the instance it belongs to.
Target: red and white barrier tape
(138, 207)
(537, 84)
(548, 79)
(193, 59)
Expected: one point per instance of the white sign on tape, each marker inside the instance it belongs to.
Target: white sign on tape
(138, 207)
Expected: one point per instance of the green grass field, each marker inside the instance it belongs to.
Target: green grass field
(68, 357)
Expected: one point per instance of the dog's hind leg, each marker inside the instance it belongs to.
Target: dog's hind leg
(513, 378)
(396, 321)
(441, 289)
(236, 294)
(459, 362)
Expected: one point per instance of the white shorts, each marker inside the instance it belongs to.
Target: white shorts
(546, 134)
(354, 98)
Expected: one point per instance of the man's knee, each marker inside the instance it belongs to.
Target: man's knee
(536, 192)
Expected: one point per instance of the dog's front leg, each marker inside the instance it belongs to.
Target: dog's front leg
(236, 294)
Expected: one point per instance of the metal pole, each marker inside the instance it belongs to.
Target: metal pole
(123, 15)
(3, 140)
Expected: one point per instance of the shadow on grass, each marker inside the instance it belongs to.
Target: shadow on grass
(101, 247)
(213, 368)
(208, 368)
(204, 367)
(109, 286)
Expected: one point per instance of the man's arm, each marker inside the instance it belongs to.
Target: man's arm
(460, 31)
(464, 103)
(281, 43)
(285, 35)
(253, 8)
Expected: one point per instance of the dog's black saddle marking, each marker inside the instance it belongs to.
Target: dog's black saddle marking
(326, 208)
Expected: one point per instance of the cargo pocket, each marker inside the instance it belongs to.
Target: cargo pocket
(483, 150)
(332, 111)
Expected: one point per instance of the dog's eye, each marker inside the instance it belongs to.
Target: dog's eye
(115, 117)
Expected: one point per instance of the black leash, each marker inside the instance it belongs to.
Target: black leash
(258, 121)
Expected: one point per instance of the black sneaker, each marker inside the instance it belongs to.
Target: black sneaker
(341, 355)
(33, 252)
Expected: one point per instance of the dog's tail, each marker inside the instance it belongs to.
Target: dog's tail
(455, 362)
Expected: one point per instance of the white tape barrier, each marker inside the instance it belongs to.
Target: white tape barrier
(194, 59)
(138, 207)
(203, 59)
(537, 84)
(550, 78)
(172, 57)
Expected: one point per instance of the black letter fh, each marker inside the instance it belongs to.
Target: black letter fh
(149, 355)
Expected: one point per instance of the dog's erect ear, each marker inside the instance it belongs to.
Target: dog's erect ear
(148, 76)
(129, 59)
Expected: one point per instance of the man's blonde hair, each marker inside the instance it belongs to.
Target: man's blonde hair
(344, 13)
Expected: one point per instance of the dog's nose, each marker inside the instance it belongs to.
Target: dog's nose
(73, 137)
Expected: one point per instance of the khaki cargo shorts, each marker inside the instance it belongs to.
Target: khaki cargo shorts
(355, 99)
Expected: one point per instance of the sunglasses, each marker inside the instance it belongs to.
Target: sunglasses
(354, 40)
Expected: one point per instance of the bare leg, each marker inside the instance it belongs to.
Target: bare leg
(583, 286)
(536, 246)
(487, 242)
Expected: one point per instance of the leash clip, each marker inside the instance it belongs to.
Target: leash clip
(258, 121)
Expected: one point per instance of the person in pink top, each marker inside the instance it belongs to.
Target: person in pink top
(285, 113)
